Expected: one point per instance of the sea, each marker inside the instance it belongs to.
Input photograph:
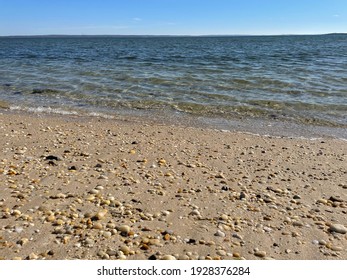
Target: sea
(274, 85)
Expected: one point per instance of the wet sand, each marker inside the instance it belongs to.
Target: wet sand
(92, 188)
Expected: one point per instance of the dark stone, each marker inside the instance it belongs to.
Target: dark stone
(335, 199)
(152, 258)
(242, 195)
(72, 168)
(50, 157)
(51, 162)
(191, 241)
(98, 165)
(50, 253)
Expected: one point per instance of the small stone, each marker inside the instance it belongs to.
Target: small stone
(155, 242)
(16, 213)
(298, 224)
(124, 229)
(236, 255)
(23, 241)
(168, 257)
(322, 242)
(101, 214)
(152, 257)
(338, 228)
(61, 195)
(243, 196)
(144, 247)
(335, 199)
(336, 248)
(224, 217)
(219, 233)
(97, 226)
(195, 213)
(125, 249)
(236, 235)
(267, 229)
(260, 254)
(89, 242)
(322, 201)
(107, 234)
(18, 229)
(33, 256)
(221, 253)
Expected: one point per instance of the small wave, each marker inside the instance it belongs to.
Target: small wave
(48, 110)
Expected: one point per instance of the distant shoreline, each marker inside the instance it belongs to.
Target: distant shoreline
(160, 36)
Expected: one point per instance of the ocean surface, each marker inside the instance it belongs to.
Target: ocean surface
(227, 82)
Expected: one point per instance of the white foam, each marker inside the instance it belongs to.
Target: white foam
(44, 110)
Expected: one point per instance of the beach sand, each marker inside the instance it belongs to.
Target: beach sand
(91, 188)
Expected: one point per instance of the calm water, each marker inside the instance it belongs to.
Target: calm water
(295, 79)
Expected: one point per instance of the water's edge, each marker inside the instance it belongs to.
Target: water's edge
(256, 126)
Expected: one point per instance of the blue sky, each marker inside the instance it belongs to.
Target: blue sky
(172, 17)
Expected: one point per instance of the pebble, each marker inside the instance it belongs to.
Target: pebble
(298, 224)
(338, 228)
(124, 229)
(18, 229)
(101, 214)
(224, 217)
(168, 258)
(243, 195)
(221, 253)
(220, 233)
(260, 254)
(238, 236)
(336, 248)
(23, 241)
(16, 213)
(125, 249)
(97, 226)
(195, 213)
(33, 256)
(89, 242)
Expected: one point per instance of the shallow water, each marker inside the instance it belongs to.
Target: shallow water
(292, 79)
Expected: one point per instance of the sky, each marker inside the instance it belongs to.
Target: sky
(172, 17)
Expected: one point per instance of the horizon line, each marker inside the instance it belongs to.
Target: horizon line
(175, 35)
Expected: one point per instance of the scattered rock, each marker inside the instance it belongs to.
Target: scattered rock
(338, 228)
(220, 233)
(168, 258)
(260, 254)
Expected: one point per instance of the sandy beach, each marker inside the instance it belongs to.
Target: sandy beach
(92, 188)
